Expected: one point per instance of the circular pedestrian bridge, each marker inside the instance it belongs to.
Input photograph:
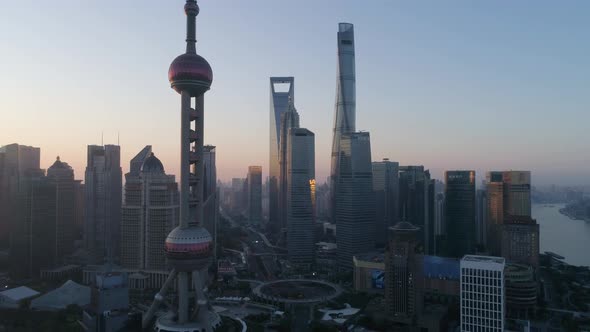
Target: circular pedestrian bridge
(297, 291)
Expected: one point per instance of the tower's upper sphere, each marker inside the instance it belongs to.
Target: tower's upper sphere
(191, 8)
(190, 72)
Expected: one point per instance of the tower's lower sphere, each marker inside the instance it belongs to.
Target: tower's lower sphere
(189, 249)
(190, 72)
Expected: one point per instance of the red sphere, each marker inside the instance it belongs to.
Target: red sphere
(190, 72)
(189, 248)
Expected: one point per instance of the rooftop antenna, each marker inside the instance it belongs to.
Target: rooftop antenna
(118, 138)
(102, 138)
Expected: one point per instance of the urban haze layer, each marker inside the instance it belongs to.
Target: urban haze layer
(378, 247)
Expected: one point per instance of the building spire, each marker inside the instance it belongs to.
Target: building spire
(192, 10)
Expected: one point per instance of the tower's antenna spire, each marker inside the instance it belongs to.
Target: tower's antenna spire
(192, 10)
(102, 138)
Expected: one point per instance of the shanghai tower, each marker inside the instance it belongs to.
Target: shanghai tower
(345, 110)
(189, 246)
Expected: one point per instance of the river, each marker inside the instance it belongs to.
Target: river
(562, 235)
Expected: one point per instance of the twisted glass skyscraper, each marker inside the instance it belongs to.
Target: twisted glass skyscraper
(345, 112)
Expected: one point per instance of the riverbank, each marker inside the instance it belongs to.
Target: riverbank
(571, 215)
(562, 235)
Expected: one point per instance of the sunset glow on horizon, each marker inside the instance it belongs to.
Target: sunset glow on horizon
(448, 86)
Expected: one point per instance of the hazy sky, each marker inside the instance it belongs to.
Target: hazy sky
(447, 84)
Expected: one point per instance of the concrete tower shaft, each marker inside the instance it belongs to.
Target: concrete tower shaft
(188, 246)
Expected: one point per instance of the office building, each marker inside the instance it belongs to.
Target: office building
(369, 272)
(482, 293)
(415, 198)
(32, 236)
(237, 195)
(299, 201)
(403, 274)
(61, 176)
(289, 119)
(520, 240)
(15, 161)
(439, 223)
(150, 211)
(386, 187)
(508, 194)
(345, 108)
(45, 211)
(282, 94)
(254, 185)
(189, 246)
(210, 194)
(109, 306)
(441, 276)
(521, 291)
(481, 217)
(355, 199)
(460, 212)
(103, 183)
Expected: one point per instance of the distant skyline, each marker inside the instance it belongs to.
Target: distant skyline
(461, 85)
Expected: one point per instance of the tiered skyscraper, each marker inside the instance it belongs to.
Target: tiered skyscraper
(103, 183)
(280, 99)
(189, 246)
(150, 212)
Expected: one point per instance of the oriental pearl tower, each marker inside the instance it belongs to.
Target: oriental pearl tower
(189, 246)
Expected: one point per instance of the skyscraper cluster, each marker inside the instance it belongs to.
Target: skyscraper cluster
(435, 241)
(40, 220)
(291, 174)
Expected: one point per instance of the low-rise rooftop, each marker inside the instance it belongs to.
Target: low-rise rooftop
(19, 293)
(483, 259)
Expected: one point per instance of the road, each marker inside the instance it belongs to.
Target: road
(261, 256)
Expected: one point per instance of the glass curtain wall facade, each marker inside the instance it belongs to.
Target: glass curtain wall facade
(460, 212)
(386, 187)
(355, 199)
(300, 213)
(345, 108)
(103, 183)
(282, 90)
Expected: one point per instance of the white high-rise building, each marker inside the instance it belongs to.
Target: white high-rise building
(482, 293)
(300, 212)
